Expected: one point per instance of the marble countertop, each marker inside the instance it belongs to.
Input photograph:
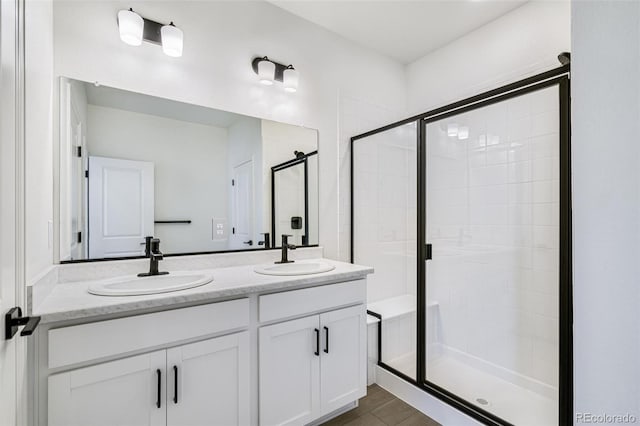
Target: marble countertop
(72, 301)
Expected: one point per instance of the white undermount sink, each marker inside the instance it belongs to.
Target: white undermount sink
(295, 268)
(132, 285)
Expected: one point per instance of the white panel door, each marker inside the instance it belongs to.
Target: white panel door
(290, 372)
(208, 382)
(242, 208)
(121, 208)
(343, 357)
(126, 392)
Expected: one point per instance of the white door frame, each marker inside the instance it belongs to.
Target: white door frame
(12, 196)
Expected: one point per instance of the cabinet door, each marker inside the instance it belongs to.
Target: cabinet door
(290, 372)
(344, 357)
(126, 392)
(208, 382)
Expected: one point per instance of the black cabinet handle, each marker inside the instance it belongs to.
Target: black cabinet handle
(326, 340)
(317, 352)
(250, 242)
(175, 384)
(159, 375)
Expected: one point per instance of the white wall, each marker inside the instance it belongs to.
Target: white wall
(521, 43)
(190, 170)
(38, 137)
(221, 38)
(606, 205)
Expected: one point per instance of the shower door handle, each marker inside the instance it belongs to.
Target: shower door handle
(428, 252)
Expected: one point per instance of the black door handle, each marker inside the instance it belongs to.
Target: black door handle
(159, 375)
(326, 340)
(14, 319)
(317, 352)
(175, 384)
(250, 242)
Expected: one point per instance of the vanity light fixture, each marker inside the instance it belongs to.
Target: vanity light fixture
(270, 71)
(171, 40)
(452, 130)
(290, 79)
(131, 26)
(134, 29)
(266, 71)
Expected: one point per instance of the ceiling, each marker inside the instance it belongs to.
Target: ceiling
(405, 30)
(160, 107)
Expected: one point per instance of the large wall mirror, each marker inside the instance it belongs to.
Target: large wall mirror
(199, 179)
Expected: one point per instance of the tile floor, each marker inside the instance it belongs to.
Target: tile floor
(380, 408)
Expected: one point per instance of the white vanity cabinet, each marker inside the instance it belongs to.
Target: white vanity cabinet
(314, 365)
(289, 357)
(206, 381)
(122, 392)
(200, 383)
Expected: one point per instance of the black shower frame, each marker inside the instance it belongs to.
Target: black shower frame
(561, 77)
(282, 166)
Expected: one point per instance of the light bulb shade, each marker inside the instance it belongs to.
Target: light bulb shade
(171, 40)
(266, 72)
(463, 133)
(131, 26)
(290, 79)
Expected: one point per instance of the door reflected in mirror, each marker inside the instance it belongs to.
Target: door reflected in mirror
(199, 179)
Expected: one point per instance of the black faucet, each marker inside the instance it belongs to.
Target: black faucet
(286, 246)
(152, 250)
(266, 242)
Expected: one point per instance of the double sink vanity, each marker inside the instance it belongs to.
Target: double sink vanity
(225, 339)
(218, 331)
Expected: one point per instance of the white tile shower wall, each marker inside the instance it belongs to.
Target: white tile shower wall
(492, 215)
(385, 210)
(355, 115)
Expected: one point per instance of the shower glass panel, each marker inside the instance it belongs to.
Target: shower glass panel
(384, 236)
(492, 285)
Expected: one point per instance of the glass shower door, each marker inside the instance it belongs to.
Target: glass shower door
(385, 237)
(492, 284)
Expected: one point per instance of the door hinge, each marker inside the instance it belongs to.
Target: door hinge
(79, 237)
(14, 319)
(428, 252)
(86, 174)
(79, 151)
(233, 230)
(233, 182)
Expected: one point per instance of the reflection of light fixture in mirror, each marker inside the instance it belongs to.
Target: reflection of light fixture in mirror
(493, 140)
(171, 40)
(270, 71)
(452, 130)
(266, 71)
(290, 78)
(130, 25)
(463, 133)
